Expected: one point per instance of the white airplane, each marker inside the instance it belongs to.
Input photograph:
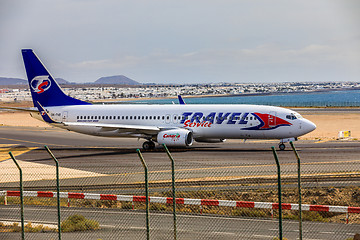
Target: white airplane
(175, 125)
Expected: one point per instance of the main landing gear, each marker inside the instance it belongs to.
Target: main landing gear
(148, 145)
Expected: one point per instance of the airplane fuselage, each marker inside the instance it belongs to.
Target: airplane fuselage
(205, 121)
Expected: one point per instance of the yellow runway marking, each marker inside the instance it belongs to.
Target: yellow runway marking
(6, 148)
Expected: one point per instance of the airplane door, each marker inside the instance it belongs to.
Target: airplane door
(64, 116)
(272, 119)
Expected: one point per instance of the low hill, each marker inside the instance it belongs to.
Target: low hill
(12, 81)
(62, 81)
(118, 79)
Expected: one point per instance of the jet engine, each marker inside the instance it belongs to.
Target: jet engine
(175, 137)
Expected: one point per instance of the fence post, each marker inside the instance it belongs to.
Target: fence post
(146, 193)
(57, 189)
(299, 190)
(279, 192)
(21, 197)
(173, 188)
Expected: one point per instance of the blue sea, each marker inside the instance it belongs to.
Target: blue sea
(350, 98)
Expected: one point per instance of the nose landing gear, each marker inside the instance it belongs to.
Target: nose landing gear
(285, 140)
(282, 147)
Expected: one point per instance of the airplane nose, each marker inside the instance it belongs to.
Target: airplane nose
(308, 126)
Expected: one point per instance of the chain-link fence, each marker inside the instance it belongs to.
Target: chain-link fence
(220, 194)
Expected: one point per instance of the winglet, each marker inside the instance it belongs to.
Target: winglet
(181, 100)
(44, 114)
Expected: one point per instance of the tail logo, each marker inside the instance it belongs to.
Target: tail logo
(40, 84)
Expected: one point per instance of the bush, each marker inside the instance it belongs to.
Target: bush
(79, 223)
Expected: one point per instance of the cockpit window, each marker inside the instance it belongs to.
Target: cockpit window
(291, 116)
(298, 116)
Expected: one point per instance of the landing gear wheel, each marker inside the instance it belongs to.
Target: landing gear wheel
(282, 147)
(148, 145)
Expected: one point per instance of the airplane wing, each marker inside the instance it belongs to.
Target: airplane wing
(122, 127)
(20, 109)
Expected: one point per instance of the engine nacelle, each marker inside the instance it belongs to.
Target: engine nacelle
(175, 137)
(210, 140)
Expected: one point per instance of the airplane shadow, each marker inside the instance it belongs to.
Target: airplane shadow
(101, 152)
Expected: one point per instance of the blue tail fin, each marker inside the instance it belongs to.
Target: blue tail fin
(44, 89)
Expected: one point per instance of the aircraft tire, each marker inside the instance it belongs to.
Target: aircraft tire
(282, 147)
(148, 145)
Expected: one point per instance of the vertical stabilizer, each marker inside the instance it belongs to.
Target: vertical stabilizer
(44, 89)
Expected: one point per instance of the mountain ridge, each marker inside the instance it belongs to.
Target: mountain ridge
(114, 80)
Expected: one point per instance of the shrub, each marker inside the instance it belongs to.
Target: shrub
(79, 223)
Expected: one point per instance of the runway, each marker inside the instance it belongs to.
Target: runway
(94, 163)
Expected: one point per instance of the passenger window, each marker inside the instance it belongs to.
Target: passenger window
(122, 117)
(109, 117)
(150, 117)
(130, 117)
(163, 117)
(127, 117)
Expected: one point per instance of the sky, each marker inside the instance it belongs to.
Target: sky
(188, 41)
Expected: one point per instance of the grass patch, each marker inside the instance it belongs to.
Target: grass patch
(79, 223)
(28, 228)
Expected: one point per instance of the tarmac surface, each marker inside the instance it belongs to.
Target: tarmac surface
(106, 165)
(93, 161)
